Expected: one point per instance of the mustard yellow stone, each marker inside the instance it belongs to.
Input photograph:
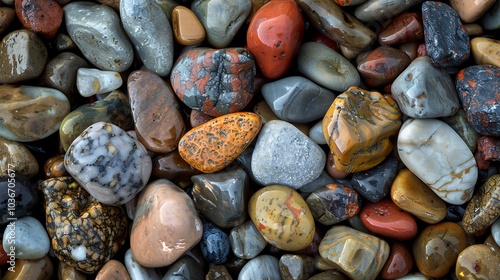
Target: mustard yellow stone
(188, 30)
(282, 217)
(357, 128)
(486, 51)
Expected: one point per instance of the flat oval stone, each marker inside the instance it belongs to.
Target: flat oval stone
(166, 225)
(486, 51)
(484, 207)
(439, 157)
(380, 10)
(246, 241)
(29, 237)
(375, 183)
(478, 261)
(97, 31)
(94, 81)
(297, 99)
(84, 232)
(16, 157)
(407, 27)
(65, 271)
(186, 26)
(425, 91)
(109, 163)
(470, 11)
(459, 123)
(296, 266)
(173, 167)
(399, 263)
(333, 203)
(282, 217)
(214, 244)
(22, 57)
(113, 270)
(184, 268)
(137, 271)
(274, 36)
(25, 196)
(356, 254)
(158, 121)
(7, 16)
(358, 126)
(39, 269)
(31, 113)
(326, 67)
(221, 19)
(261, 267)
(44, 17)
(283, 155)
(214, 81)
(382, 65)
(150, 32)
(411, 194)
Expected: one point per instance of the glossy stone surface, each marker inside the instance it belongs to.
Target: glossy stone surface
(295, 267)
(282, 217)
(214, 81)
(15, 157)
(65, 271)
(485, 51)
(274, 36)
(489, 148)
(84, 232)
(261, 267)
(399, 263)
(356, 254)
(218, 272)
(165, 216)
(93, 81)
(246, 241)
(113, 270)
(459, 123)
(31, 113)
(187, 28)
(107, 162)
(184, 268)
(197, 118)
(382, 65)
(470, 11)
(358, 126)
(326, 67)
(448, 169)
(375, 183)
(44, 17)
(7, 16)
(173, 167)
(214, 244)
(40, 269)
(215, 144)
(478, 261)
(28, 237)
(380, 10)
(406, 27)
(284, 155)
(137, 271)
(25, 195)
(158, 121)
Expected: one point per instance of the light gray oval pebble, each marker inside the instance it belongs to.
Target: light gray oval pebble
(29, 238)
(246, 241)
(261, 267)
(316, 133)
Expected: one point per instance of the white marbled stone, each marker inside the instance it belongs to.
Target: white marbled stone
(109, 163)
(93, 81)
(137, 271)
(495, 231)
(29, 238)
(437, 155)
(261, 267)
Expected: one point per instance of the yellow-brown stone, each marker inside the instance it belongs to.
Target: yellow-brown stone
(40, 269)
(112, 270)
(66, 271)
(357, 128)
(485, 51)
(282, 217)
(188, 29)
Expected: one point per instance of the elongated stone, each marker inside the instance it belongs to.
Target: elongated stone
(7, 16)
(382, 65)
(93, 81)
(187, 28)
(16, 157)
(407, 27)
(381, 10)
(486, 51)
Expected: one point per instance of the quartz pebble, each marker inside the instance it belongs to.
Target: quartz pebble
(246, 241)
(93, 81)
(16, 157)
(113, 270)
(29, 236)
(44, 17)
(375, 183)
(261, 267)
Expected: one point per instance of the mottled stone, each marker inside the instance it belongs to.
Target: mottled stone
(284, 155)
(16, 158)
(437, 155)
(173, 167)
(25, 196)
(406, 27)
(28, 238)
(184, 268)
(246, 241)
(296, 267)
(186, 26)
(358, 126)
(84, 232)
(261, 267)
(489, 148)
(214, 244)
(459, 123)
(382, 65)
(485, 51)
(470, 11)
(108, 163)
(478, 261)
(94, 81)
(425, 91)
(44, 17)
(214, 81)
(66, 271)
(218, 272)
(375, 183)
(113, 270)
(7, 16)
(137, 271)
(39, 269)
(399, 263)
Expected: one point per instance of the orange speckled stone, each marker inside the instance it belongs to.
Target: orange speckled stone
(357, 128)
(282, 217)
(188, 30)
(44, 17)
(215, 144)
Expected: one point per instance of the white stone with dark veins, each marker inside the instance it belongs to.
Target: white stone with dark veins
(110, 164)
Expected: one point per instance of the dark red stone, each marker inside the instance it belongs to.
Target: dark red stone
(382, 65)
(3, 255)
(40, 16)
(481, 163)
(489, 148)
(399, 263)
(320, 38)
(404, 28)
(173, 167)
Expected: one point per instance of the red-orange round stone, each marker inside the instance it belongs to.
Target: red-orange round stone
(43, 17)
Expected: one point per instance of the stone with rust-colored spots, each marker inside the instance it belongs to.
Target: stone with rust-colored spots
(489, 148)
(478, 261)
(188, 30)
(358, 126)
(485, 51)
(84, 232)
(15, 157)
(382, 65)
(214, 81)
(44, 17)
(113, 270)
(7, 16)
(158, 121)
(215, 144)
(407, 27)
(471, 10)
(40, 269)
(282, 217)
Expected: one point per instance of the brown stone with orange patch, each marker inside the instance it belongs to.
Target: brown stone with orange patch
(44, 17)
(382, 66)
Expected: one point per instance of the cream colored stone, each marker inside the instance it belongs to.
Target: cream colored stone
(486, 51)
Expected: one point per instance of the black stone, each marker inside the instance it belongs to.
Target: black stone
(455, 213)
(214, 244)
(23, 195)
(375, 183)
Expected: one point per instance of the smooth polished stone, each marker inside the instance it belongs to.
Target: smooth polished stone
(108, 163)
(184, 268)
(338, 25)
(24, 193)
(115, 4)
(326, 67)
(484, 207)
(16, 158)
(406, 27)
(296, 267)
(425, 91)
(173, 167)
(382, 65)
(410, 49)
(316, 133)
(485, 51)
(322, 264)
(489, 148)
(274, 36)
(478, 87)
(297, 99)
(411, 194)
(333, 204)
(329, 275)
(43, 17)
(150, 32)
(471, 10)
(221, 19)
(261, 267)
(39, 269)
(64, 43)
(158, 121)
(246, 241)
(187, 28)
(66, 271)
(213, 145)
(375, 183)
(399, 263)
(491, 19)
(358, 126)
(197, 118)
(319, 182)
(284, 155)
(31, 113)
(137, 271)
(282, 217)
(446, 39)
(222, 197)
(22, 57)
(382, 10)
(165, 216)
(437, 155)
(478, 261)
(84, 233)
(7, 16)
(266, 114)
(332, 170)
(474, 29)
(113, 270)
(356, 254)
(218, 272)
(437, 247)
(214, 244)
(495, 231)
(214, 81)
(459, 123)
(94, 81)
(29, 238)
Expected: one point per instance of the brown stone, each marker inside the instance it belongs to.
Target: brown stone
(40, 269)
(473, 29)
(44, 17)
(329, 275)
(478, 261)
(173, 167)
(489, 148)
(471, 10)
(332, 170)
(54, 167)
(65, 271)
(15, 156)
(115, 4)
(7, 16)
(197, 118)
(485, 51)
(382, 66)
(113, 270)
(399, 263)
(407, 27)
(187, 28)
(410, 49)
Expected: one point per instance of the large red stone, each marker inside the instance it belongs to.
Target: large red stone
(40, 16)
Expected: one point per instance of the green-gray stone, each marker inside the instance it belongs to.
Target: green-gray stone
(459, 123)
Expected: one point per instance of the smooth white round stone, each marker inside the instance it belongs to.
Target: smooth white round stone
(93, 81)
(437, 155)
(137, 271)
(29, 238)
(495, 231)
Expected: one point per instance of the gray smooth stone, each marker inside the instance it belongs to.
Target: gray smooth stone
(137, 271)
(425, 91)
(284, 155)
(316, 133)
(184, 268)
(491, 19)
(150, 32)
(297, 99)
(260, 268)
(383, 10)
(461, 125)
(29, 238)
(296, 267)
(326, 67)
(246, 241)
(317, 183)
(97, 32)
